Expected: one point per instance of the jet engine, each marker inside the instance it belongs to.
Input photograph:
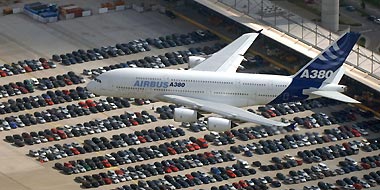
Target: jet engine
(195, 60)
(185, 115)
(219, 124)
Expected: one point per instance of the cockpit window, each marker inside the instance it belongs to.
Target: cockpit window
(97, 80)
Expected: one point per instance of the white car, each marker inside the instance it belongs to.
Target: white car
(43, 159)
(377, 21)
(35, 81)
(141, 175)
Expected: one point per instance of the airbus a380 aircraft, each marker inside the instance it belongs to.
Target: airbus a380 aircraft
(212, 84)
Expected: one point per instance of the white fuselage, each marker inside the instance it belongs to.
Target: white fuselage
(236, 89)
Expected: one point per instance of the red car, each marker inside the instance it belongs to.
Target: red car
(46, 65)
(49, 102)
(67, 92)
(168, 170)
(174, 168)
(190, 147)
(28, 69)
(209, 154)
(358, 186)
(107, 180)
(366, 166)
(2, 73)
(49, 138)
(134, 122)
(189, 176)
(171, 151)
(243, 183)
(251, 136)
(106, 163)
(230, 174)
(271, 113)
(23, 90)
(196, 146)
(119, 172)
(62, 134)
(68, 81)
(229, 134)
(357, 134)
(202, 143)
(82, 104)
(236, 185)
(54, 130)
(75, 151)
(67, 164)
(90, 103)
(141, 139)
(139, 102)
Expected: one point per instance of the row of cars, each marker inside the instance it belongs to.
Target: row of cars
(59, 81)
(329, 152)
(160, 61)
(269, 111)
(45, 99)
(147, 170)
(81, 56)
(369, 180)
(174, 40)
(60, 113)
(95, 126)
(135, 46)
(25, 66)
(321, 170)
(288, 142)
(132, 155)
(198, 178)
(309, 156)
(100, 144)
(28, 86)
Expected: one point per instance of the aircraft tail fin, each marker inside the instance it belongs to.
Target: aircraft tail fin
(320, 77)
(327, 66)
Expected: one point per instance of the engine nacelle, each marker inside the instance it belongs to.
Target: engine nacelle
(219, 124)
(195, 60)
(185, 115)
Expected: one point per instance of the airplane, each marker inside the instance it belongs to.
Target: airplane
(212, 84)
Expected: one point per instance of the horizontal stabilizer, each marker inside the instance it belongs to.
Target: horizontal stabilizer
(336, 96)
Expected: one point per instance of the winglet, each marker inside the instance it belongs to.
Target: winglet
(259, 31)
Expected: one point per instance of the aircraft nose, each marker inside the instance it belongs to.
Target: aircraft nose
(91, 86)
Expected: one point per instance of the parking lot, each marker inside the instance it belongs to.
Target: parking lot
(59, 136)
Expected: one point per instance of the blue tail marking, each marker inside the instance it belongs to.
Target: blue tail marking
(313, 74)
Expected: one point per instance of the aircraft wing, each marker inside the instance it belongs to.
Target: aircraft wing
(227, 111)
(335, 96)
(229, 58)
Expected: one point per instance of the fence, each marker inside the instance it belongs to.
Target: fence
(309, 32)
